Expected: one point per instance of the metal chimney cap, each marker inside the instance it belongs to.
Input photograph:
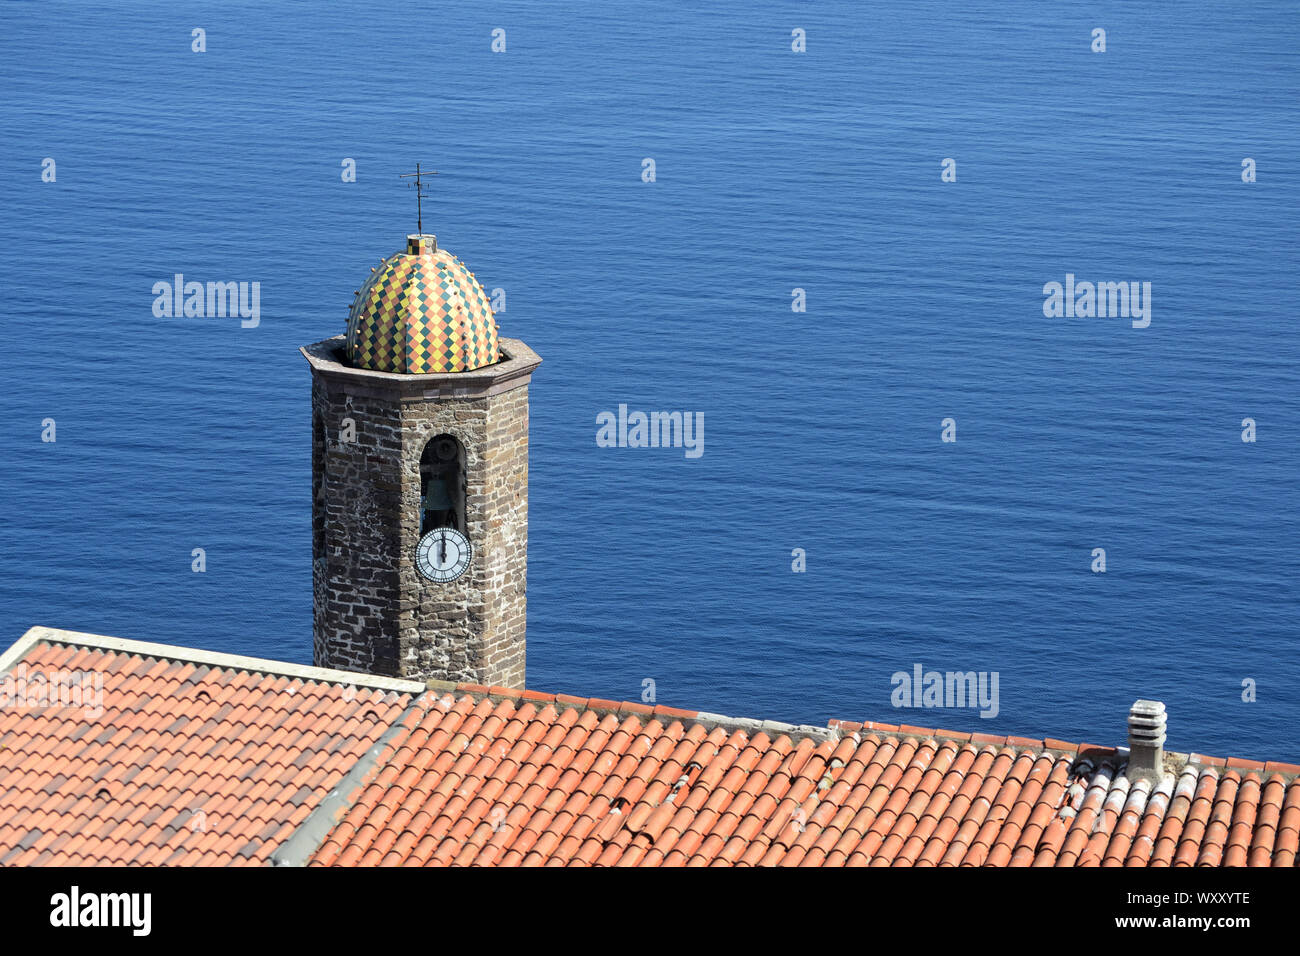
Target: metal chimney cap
(1147, 707)
(1147, 723)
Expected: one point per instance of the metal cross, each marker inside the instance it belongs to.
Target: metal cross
(420, 192)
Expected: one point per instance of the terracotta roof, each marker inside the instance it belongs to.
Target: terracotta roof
(499, 777)
(188, 762)
(215, 759)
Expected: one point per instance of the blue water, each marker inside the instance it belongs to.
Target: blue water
(775, 170)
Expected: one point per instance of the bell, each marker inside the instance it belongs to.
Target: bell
(435, 496)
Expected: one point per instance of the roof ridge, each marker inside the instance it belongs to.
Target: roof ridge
(835, 729)
(627, 708)
(1181, 759)
(308, 836)
(173, 652)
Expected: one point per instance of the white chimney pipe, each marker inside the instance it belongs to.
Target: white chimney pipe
(1146, 740)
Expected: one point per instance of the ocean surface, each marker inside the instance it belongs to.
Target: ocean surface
(774, 171)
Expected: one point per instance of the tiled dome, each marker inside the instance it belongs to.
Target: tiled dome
(421, 311)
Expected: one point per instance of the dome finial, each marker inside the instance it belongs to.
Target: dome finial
(421, 244)
(420, 193)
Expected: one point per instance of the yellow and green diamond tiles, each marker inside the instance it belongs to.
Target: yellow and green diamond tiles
(421, 311)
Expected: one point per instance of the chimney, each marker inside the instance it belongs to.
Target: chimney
(1146, 740)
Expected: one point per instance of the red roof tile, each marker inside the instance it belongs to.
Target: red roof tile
(160, 771)
(203, 759)
(574, 781)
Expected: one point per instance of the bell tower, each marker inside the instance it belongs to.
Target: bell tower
(420, 479)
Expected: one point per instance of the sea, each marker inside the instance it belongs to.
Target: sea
(824, 230)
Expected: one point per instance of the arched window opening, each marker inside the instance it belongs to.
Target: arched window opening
(442, 484)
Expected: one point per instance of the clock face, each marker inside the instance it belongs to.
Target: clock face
(442, 555)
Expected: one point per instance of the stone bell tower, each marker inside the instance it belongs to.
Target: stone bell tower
(420, 479)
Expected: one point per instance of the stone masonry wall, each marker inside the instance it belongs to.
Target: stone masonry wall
(373, 611)
(356, 504)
